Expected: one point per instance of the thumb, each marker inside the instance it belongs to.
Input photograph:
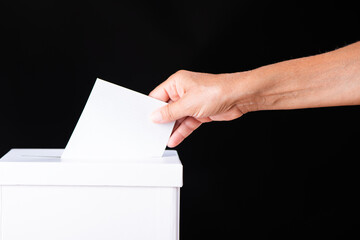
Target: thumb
(171, 112)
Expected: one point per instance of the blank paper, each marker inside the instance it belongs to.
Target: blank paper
(115, 124)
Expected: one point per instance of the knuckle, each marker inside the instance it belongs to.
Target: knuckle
(182, 133)
(185, 131)
(181, 74)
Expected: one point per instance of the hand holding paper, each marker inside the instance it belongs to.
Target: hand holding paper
(115, 124)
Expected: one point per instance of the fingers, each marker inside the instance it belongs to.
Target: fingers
(177, 124)
(188, 125)
(172, 111)
(160, 92)
(167, 90)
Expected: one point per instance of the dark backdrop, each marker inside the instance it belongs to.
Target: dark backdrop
(268, 175)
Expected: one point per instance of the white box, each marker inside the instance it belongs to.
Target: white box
(45, 198)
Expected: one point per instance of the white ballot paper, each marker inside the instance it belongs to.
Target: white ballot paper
(115, 124)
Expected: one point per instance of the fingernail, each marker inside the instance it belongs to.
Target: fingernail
(156, 116)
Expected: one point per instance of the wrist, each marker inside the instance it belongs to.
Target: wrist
(244, 89)
(278, 85)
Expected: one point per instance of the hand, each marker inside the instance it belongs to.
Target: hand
(328, 79)
(195, 98)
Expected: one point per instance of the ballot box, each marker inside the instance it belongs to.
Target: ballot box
(43, 197)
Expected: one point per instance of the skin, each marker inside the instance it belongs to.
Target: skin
(328, 79)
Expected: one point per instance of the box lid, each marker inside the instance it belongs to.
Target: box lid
(45, 167)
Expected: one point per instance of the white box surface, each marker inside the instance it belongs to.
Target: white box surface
(42, 197)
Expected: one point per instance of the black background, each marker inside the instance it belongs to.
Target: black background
(268, 175)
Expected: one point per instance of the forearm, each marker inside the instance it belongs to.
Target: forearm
(329, 79)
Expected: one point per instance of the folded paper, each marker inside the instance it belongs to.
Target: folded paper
(115, 124)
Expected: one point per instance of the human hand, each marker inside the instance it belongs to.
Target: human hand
(328, 79)
(195, 98)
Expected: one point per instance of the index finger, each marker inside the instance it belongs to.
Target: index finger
(160, 92)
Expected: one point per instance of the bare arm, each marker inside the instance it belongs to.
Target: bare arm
(329, 79)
